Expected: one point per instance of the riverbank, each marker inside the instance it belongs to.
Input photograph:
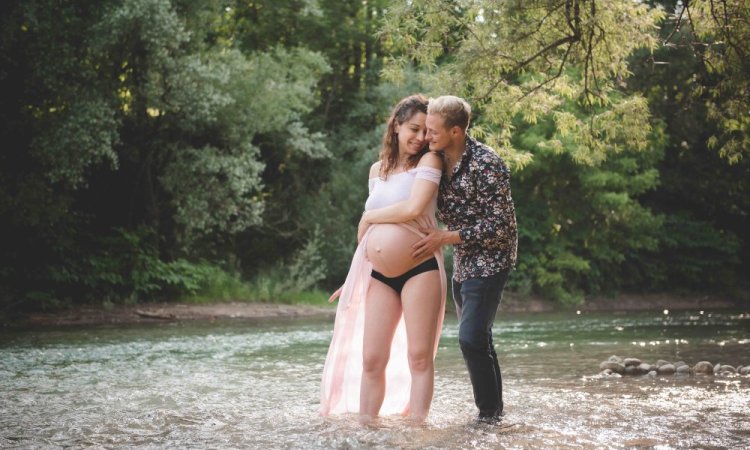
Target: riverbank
(512, 303)
(165, 312)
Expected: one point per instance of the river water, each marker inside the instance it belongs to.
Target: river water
(255, 385)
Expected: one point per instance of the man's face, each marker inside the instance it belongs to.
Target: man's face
(438, 136)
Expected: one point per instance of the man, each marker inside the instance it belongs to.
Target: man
(475, 204)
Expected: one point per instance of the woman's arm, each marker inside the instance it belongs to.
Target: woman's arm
(422, 193)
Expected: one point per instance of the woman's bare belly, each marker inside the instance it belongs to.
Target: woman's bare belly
(389, 249)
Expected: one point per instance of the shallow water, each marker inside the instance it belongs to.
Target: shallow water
(255, 385)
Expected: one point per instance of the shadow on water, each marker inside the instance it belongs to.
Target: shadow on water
(255, 385)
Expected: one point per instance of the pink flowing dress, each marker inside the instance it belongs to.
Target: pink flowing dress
(342, 372)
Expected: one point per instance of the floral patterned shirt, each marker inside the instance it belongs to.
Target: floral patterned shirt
(476, 201)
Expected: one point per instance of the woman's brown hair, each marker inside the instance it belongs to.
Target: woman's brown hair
(403, 111)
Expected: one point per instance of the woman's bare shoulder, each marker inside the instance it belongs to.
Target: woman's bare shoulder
(375, 169)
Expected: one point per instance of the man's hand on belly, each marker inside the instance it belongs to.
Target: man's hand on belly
(434, 239)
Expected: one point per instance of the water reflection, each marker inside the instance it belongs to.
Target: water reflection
(240, 385)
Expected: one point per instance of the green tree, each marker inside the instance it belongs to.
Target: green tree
(582, 227)
(119, 117)
(509, 59)
(306, 194)
(551, 83)
(718, 35)
(703, 194)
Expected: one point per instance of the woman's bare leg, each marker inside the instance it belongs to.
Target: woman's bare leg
(382, 313)
(421, 304)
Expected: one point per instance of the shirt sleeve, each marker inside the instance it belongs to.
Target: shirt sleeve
(371, 184)
(429, 174)
(497, 213)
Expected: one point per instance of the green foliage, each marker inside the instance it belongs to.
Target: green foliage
(175, 149)
(123, 265)
(581, 223)
(719, 33)
(512, 59)
(119, 118)
(706, 243)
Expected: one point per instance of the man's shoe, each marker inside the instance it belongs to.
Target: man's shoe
(489, 419)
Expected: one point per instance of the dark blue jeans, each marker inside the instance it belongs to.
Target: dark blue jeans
(477, 300)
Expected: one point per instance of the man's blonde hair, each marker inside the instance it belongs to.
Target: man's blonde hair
(455, 111)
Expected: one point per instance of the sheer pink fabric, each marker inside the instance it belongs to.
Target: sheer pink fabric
(342, 372)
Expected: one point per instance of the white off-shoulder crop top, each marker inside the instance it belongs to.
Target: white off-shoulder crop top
(397, 187)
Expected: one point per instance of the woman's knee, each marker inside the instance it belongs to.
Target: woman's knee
(374, 363)
(420, 360)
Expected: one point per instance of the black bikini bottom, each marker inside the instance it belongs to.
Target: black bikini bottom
(397, 283)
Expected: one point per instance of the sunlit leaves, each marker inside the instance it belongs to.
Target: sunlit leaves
(523, 59)
(719, 34)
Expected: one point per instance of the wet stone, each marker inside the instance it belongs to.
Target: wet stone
(666, 369)
(631, 362)
(613, 366)
(616, 366)
(704, 367)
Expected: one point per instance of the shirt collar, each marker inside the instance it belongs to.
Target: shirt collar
(469, 144)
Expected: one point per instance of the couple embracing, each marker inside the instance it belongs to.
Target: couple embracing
(391, 306)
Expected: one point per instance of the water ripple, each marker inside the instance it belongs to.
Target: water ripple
(256, 386)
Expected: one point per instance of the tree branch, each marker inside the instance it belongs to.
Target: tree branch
(549, 80)
(522, 64)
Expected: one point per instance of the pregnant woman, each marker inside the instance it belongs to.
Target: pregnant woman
(391, 305)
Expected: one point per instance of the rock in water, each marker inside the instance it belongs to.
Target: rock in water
(645, 368)
(683, 369)
(666, 369)
(631, 362)
(613, 366)
(704, 367)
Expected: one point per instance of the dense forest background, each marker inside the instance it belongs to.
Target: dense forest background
(210, 150)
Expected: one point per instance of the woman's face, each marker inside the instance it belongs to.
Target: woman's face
(411, 134)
